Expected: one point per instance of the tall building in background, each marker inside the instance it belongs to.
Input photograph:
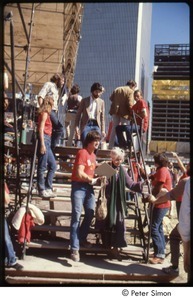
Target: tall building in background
(114, 47)
(171, 99)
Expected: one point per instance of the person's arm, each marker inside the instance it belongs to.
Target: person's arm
(83, 176)
(41, 133)
(180, 163)
(130, 103)
(43, 92)
(132, 185)
(171, 195)
(40, 100)
(78, 116)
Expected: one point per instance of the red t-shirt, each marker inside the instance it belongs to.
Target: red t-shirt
(138, 107)
(48, 124)
(86, 159)
(163, 175)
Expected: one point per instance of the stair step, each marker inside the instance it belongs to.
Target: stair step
(56, 213)
(65, 245)
(55, 228)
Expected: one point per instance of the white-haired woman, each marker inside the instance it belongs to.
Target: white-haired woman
(113, 227)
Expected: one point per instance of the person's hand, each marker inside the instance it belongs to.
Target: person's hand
(148, 198)
(174, 154)
(42, 149)
(94, 181)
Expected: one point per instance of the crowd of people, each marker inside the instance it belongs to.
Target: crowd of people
(85, 122)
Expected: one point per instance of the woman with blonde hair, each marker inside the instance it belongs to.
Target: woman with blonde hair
(46, 159)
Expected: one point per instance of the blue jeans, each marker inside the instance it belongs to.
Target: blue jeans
(10, 258)
(82, 195)
(128, 129)
(90, 126)
(57, 130)
(157, 232)
(46, 162)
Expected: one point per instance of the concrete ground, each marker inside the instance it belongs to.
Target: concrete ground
(55, 267)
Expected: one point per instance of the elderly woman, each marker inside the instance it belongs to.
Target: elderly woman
(113, 227)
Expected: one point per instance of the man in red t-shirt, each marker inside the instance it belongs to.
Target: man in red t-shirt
(160, 180)
(141, 110)
(82, 193)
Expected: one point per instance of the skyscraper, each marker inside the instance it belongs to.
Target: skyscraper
(114, 47)
(171, 99)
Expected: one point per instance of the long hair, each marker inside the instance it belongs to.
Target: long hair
(46, 105)
(56, 77)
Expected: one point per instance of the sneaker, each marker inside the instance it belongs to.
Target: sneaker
(75, 255)
(171, 270)
(50, 193)
(86, 244)
(16, 266)
(44, 194)
(156, 260)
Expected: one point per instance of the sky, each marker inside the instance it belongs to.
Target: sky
(170, 24)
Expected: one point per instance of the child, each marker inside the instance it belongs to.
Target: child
(46, 159)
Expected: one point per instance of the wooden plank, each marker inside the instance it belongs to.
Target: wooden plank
(60, 228)
(104, 277)
(57, 212)
(96, 248)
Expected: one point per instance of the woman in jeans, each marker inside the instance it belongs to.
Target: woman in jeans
(160, 180)
(46, 159)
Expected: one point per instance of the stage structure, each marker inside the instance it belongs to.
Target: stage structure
(40, 39)
(46, 41)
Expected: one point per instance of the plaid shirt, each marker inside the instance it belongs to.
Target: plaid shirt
(50, 89)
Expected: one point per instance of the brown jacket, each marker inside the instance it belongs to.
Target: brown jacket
(122, 101)
(82, 115)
